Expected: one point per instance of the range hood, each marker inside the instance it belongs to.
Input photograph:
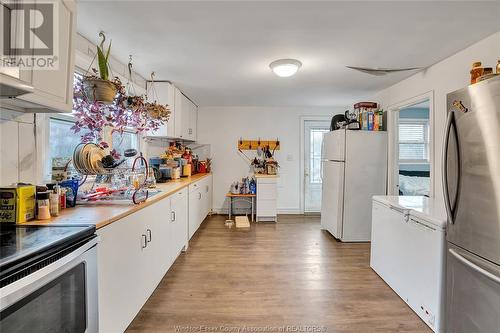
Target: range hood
(11, 87)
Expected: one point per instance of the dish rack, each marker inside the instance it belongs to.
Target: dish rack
(125, 181)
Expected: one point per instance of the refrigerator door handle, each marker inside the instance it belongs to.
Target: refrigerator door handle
(444, 167)
(474, 267)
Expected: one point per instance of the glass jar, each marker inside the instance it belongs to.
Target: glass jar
(43, 204)
(476, 72)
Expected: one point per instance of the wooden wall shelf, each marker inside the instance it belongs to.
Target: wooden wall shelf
(254, 144)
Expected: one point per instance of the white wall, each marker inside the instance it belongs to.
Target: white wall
(222, 127)
(442, 78)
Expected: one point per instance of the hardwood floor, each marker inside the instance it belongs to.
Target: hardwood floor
(274, 275)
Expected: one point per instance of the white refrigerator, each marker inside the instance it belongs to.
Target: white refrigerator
(354, 169)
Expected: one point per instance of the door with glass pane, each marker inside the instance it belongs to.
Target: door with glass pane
(313, 135)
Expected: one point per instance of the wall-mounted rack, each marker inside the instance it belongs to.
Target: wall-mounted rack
(254, 144)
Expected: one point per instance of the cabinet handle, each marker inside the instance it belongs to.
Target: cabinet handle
(199, 195)
(145, 244)
(172, 216)
(206, 189)
(149, 235)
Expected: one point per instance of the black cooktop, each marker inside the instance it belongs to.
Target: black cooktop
(22, 244)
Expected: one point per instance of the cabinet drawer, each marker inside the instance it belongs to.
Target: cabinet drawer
(267, 180)
(266, 208)
(266, 192)
(194, 187)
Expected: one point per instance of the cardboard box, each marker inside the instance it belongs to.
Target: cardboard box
(17, 204)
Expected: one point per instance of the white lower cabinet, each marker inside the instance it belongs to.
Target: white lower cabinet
(137, 251)
(179, 218)
(134, 255)
(200, 203)
(267, 193)
(194, 208)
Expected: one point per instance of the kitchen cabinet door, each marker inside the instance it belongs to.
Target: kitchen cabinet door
(193, 121)
(122, 271)
(194, 209)
(208, 188)
(179, 119)
(163, 93)
(179, 207)
(160, 236)
(53, 89)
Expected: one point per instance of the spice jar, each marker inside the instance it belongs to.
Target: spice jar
(476, 72)
(43, 204)
(62, 198)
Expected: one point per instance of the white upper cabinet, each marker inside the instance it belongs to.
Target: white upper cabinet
(193, 121)
(179, 113)
(50, 90)
(184, 113)
(163, 93)
(188, 118)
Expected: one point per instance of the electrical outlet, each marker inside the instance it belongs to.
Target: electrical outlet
(428, 315)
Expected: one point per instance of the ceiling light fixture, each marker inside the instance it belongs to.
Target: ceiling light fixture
(285, 67)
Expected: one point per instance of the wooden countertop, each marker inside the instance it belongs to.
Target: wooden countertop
(103, 213)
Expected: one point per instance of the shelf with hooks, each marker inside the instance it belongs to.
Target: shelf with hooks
(244, 144)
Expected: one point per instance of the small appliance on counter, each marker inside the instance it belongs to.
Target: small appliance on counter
(352, 120)
(338, 122)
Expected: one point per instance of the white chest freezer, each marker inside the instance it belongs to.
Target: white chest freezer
(408, 251)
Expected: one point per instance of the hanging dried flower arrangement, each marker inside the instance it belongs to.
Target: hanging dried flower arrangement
(154, 109)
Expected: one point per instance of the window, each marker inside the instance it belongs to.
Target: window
(315, 160)
(414, 141)
(124, 141)
(62, 140)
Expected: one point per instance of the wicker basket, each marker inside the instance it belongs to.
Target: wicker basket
(100, 90)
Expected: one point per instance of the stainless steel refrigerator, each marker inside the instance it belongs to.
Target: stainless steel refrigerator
(471, 182)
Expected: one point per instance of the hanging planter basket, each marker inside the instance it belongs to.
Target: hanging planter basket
(100, 90)
(158, 111)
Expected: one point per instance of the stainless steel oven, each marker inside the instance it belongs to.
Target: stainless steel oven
(54, 293)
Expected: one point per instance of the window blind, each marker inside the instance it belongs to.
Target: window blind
(413, 141)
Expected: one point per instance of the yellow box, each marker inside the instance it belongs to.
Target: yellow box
(17, 204)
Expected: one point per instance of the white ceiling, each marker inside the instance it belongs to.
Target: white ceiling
(218, 53)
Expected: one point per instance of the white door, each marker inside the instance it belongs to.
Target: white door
(333, 197)
(313, 142)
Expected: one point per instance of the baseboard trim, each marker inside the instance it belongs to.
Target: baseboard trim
(288, 211)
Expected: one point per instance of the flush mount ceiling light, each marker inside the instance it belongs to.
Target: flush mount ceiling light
(285, 67)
